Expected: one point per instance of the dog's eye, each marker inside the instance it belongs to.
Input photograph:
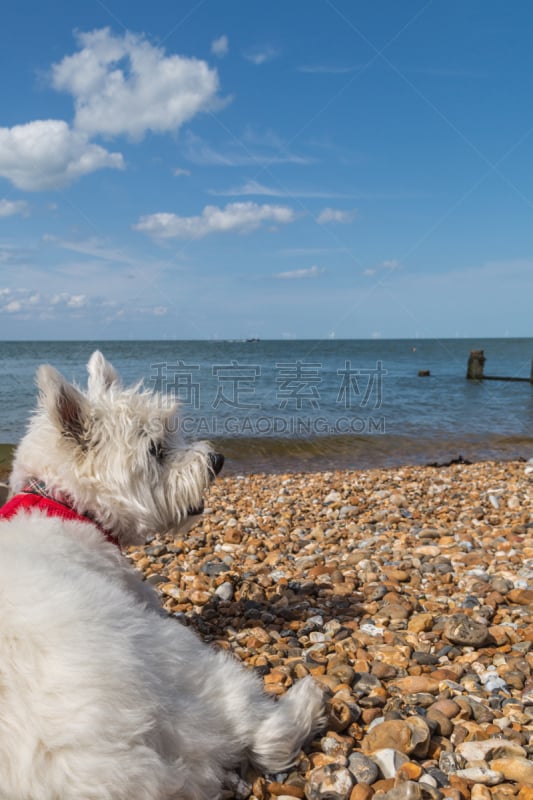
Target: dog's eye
(156, 450)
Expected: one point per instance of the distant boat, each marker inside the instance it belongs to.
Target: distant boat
(253, 339)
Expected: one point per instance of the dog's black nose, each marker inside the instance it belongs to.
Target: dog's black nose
(217, 462)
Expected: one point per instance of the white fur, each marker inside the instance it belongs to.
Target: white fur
(101, 697)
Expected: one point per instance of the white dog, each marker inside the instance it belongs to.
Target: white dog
(101, 697)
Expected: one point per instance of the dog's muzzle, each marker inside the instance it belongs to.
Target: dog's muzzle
(216, 462)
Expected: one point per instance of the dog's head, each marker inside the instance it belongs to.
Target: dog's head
(116, 453)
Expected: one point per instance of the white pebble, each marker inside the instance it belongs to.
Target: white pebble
(332, 497)
(372, 630)
(484, 775)
(225, 591)
(495, 683)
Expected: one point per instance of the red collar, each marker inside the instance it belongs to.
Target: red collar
(30, 499)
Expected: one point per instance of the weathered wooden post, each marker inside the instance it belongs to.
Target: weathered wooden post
(476, 361)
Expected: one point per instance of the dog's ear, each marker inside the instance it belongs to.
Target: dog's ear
(101, 374)
(66, 405)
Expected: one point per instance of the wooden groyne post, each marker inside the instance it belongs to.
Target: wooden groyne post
(475, 370)
(476, 363)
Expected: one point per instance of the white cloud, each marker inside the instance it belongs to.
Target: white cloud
(92, 248)
(390, 264)
(15, 255)
(125, 85)
(335, 215)
(241, 153)
(203, 154)
(10, 207)
(120, 85)
(261, 54)
(77, 301)
(239, 217)
(220, 46)
(27, 304)
(253, 187)
(47, 154)
(178, 171)
(297, 274)
(59, 298)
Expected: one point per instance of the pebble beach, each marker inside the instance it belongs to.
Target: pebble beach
(407, 593)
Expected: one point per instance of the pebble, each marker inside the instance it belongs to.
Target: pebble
(481, 774)
(363, 769)
(409, 790)
(389, 761)
(409, 735)
(515, 768)
(480, 792)
(413, 684)
(489, 748)
(285, 789)
(240, 789)
(362, 791)
(224, 591)
(405, 592)
(461, 629)
(329, 783)
(443, 724)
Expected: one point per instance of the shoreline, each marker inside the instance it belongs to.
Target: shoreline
(6, 455)
(316, 455)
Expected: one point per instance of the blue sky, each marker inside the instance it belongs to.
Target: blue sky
(225, 169)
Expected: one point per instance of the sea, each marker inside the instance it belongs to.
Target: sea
(306, 405)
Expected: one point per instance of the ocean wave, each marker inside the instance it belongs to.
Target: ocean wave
(318, 453)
